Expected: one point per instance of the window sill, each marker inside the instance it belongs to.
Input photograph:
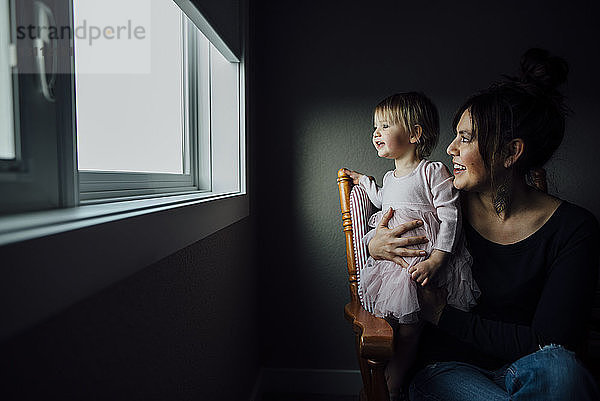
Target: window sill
(26, 226)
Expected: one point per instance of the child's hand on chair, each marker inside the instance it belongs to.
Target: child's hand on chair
(354, 175)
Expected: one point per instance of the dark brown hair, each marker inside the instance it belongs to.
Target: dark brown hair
(528, 107)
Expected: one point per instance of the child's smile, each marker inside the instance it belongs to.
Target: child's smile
(390, 140)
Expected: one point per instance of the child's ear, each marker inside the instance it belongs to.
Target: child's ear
(514, 151)
(415, 134)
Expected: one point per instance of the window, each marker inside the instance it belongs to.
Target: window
(145, 147)
(159, 137)
(137, 104)
(36, 162)
(7, 132)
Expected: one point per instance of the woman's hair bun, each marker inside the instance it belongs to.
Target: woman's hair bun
(540, 68)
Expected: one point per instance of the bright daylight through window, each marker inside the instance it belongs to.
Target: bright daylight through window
(152, 93)
(142, 128)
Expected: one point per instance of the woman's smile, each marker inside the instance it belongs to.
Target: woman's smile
(468, 166)
(458, 168)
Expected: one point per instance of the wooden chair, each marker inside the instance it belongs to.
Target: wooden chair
(374, 336)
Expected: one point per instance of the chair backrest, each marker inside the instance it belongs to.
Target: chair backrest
(356, 209)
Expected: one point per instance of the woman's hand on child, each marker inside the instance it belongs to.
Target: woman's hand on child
(387, 244)
(354, 175)
(424, 271)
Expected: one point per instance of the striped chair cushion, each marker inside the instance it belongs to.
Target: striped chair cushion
(360, 209)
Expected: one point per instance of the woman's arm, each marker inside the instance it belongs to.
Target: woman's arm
(560, 316)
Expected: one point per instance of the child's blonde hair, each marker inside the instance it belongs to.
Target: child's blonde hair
(408, 110)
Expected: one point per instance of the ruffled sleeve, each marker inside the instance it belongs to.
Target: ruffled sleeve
(446, 202)
(374, 192)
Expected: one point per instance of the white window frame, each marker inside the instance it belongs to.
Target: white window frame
(7, 164)
(103, 197)
(102, 186)
(198, 176)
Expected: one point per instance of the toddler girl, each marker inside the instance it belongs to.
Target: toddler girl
(406, 130)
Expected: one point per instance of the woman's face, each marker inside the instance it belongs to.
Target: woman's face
(469, 169)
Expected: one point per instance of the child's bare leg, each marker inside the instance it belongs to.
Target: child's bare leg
(406, 337)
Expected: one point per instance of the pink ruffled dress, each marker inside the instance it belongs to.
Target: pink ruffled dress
(426, 194)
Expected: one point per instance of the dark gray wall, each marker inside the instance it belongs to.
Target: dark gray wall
(182, 329)
(320, 70)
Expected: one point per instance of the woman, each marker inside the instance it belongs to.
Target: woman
(534, 255)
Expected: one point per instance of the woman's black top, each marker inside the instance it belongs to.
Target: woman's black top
(535, 292)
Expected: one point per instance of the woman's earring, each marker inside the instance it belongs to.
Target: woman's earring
(502, 196)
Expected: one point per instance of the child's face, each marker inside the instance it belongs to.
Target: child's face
(391, 140)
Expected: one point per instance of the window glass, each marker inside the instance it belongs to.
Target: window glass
(7, 136)
(130, 97)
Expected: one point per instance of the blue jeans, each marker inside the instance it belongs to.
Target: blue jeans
(552, 373)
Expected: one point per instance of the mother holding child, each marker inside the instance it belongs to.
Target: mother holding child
(508, 299)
